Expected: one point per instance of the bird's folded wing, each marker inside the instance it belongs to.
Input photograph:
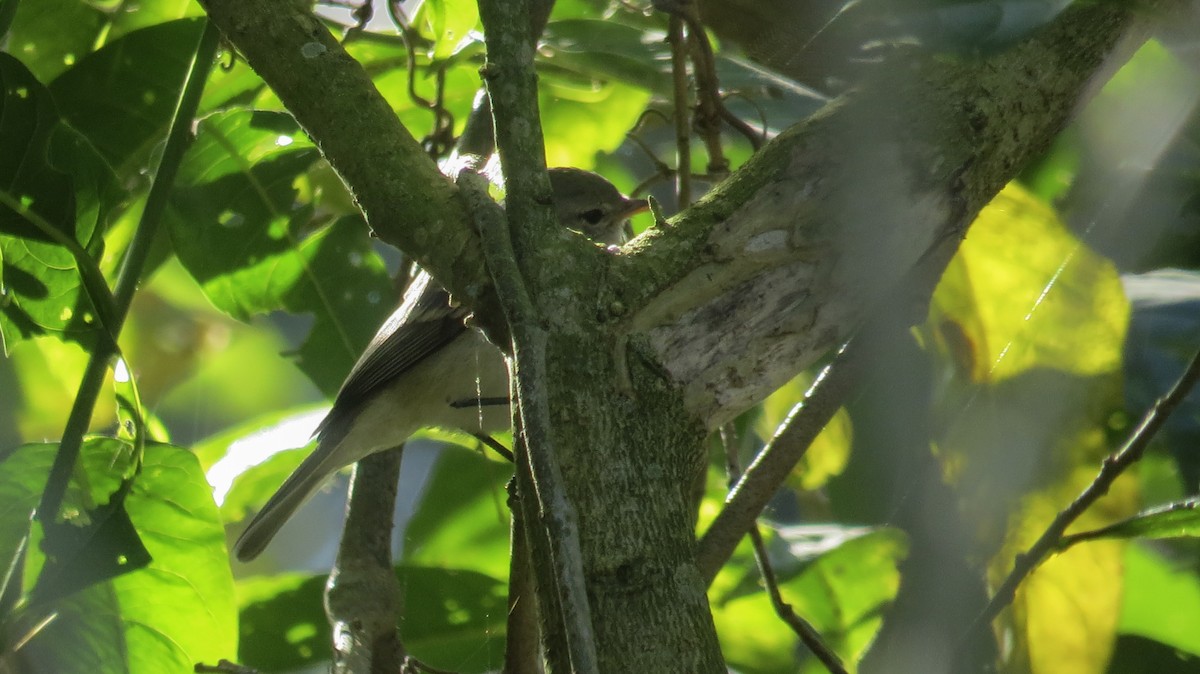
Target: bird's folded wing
(424, 323)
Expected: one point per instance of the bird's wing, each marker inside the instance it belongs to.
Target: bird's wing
(424, 323)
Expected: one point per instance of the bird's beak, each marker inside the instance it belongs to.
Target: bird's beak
(631, 207)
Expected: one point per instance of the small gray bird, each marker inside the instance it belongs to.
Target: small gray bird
(422, 361)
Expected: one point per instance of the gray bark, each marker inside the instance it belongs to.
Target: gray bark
(701, 318)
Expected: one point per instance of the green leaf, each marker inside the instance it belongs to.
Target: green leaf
(253, 486)
(163, 618)
(54, 197)
(49, 36)
(463, 508)
(842, 594)
(28, 121)
(1005, 306)
(22, 475)
(447, 22)
(580, 121)
(1173, 520)
(452, 619)
(123, 96)
(151, 13)
(95, 539)
(598, 49)
(281, 621)
(1161, 600)
(602, 49)
(240, 227)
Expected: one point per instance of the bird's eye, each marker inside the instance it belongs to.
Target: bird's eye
(593, 216)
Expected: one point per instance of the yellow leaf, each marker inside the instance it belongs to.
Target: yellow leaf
(1023, 292)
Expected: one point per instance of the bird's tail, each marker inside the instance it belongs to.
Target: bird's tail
(293, 493)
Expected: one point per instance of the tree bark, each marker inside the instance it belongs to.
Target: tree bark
(699, 319)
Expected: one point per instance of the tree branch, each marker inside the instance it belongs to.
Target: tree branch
(1112, 468)
(407, 202)
(362, 596)
(783, 261)
(536, 455)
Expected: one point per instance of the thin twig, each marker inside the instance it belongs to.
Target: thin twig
(178, 139)
(1112, 467)
(757, 138)
(492, 444)
(529, 352)
(682, 106)
(803, 629)
(708, 91)
(772, 465)
(521, 654)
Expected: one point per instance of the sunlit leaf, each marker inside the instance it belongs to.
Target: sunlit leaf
(1005, 305)
(150, 14)
(22, 476)
(47, 371)
(1161, 600)
(122, 97)
(463, 508)
(49, 36)
(239, 227)
(52, 195)
(1065, 613)
(842, 594)
(1174, 520)
(447, 23)
(167, 616)
(581, 120)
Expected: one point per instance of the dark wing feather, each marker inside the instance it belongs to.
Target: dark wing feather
(424, 323)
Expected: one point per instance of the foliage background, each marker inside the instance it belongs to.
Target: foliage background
(1072, 304)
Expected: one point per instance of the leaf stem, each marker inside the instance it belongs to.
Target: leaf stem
(178, 139)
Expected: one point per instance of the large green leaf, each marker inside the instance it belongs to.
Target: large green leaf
(1032, 324)
(595, 50)
(1024, 293)
(1161, 601)
(49, 36)
(54, 197)
(255, 243)
(123, 96)
(163, 618)
(463, 508)
(842, 594)
(151, 13)
(447, 22)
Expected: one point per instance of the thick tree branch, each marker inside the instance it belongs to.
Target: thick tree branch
(785, 259)
(362, 597)
(406, 200)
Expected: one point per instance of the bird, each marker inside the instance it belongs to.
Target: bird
(424, 363)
